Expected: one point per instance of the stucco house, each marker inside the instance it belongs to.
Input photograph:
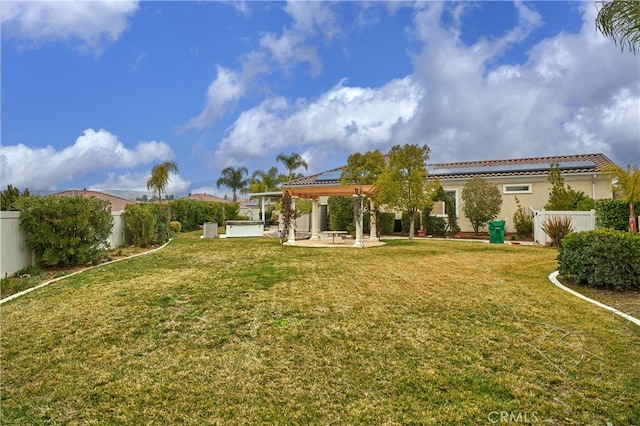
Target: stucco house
(526, 178)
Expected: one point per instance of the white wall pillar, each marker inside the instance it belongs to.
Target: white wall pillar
(314, 219)
(263, 212)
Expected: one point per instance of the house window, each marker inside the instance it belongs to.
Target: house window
(517, 189)
(453, 194)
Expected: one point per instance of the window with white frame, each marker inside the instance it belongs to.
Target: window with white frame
(453, 194)
(521, 188)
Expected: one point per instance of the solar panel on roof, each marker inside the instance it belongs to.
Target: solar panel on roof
(505, 168)
(334, 175)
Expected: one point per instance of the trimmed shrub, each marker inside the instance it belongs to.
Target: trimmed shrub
(602, 258)
(435, 225)
(175, 226)
(614, 214)
(522, 221)
(66, 231)
(146, 224)
(341, 214)
(194, 213)
(386, 222)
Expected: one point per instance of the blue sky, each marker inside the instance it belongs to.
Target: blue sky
(95, 93)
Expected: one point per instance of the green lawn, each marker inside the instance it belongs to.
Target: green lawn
(245, 331)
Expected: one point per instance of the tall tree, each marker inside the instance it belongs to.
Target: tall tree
(268, 181)
(292, 163)
(235, 179)
(619, 20)
(482, 202)
(363, 169)
(160, 177)
(405, 183)
(627, 183)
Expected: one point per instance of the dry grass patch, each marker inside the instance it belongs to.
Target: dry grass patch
(246, 331)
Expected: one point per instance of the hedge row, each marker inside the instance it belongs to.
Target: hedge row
(614, 214)
(602, 258)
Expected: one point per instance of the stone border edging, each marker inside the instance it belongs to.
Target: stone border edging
(29, 290)
(553, 277)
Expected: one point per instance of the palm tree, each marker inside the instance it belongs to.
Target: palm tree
(160, 177)
(628, 184)
(268, 181)
(234, 179)
(619, 20)
(291, 163)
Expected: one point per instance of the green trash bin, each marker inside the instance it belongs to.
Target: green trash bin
(496, 232)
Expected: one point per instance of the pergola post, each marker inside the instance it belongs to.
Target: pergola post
(262, 210)
(373, 223)
(314, 219)
(292, 224)
(358, 216)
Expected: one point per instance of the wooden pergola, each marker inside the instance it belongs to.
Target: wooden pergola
(327, 184)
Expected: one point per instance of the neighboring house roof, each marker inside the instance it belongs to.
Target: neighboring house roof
(206, 197)
(117, 203)
(582, 163)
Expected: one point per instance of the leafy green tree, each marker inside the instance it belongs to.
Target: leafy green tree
(363, 169)
(10, 196)
(292, 163)
(482, 202)
(405, 183)
(160, 177)
(627, 184)
(66, 231)
(234, 179)
(619, 20)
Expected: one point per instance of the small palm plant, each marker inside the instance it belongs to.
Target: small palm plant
(557, 227)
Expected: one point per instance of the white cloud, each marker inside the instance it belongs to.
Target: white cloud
(342, 120)
(89, 25)
(227, 88)
(47, 168)
(292, 47)
(574, 94)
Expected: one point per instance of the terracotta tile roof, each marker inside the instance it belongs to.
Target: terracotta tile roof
(117, 203)
(206, 197)
(581, 163)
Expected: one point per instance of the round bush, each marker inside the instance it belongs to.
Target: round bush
(175, 226)
(602, 258)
